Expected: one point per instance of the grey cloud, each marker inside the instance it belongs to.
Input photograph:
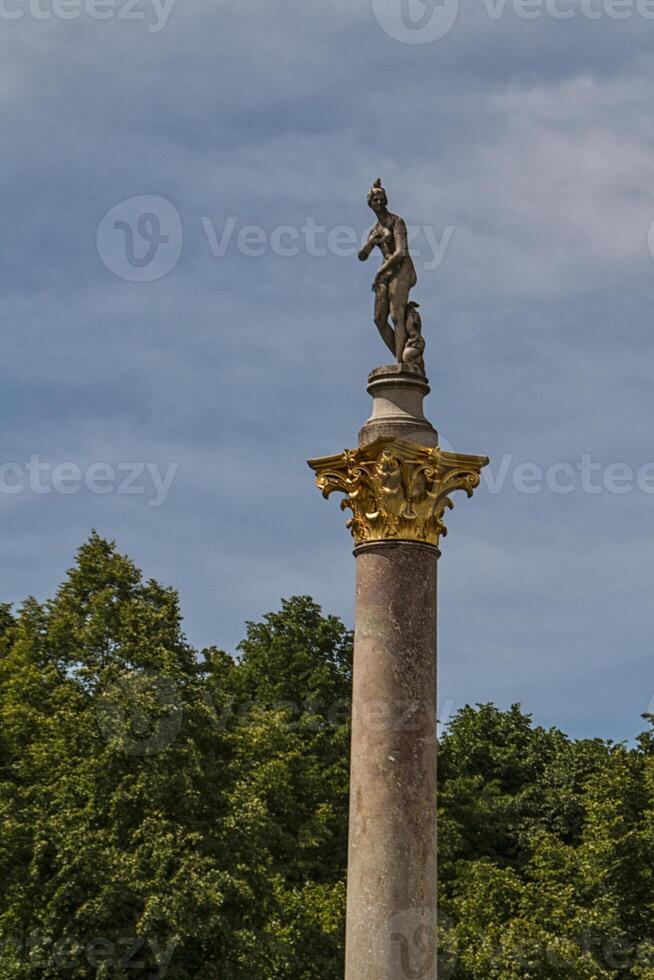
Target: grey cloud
(534, 144)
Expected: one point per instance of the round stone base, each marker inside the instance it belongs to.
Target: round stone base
(397, 411)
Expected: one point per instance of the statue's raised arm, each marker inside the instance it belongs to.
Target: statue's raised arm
(395, 278)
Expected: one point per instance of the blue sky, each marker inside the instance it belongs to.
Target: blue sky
(525, 146)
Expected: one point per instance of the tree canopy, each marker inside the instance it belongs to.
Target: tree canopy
(172, 813)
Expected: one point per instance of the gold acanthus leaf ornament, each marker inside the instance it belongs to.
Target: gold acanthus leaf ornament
(397, 490)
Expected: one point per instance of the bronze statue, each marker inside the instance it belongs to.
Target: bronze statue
(395, 278)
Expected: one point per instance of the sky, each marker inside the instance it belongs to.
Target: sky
(185, 322)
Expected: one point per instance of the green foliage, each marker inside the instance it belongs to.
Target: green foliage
(545, 849)
(164, 813)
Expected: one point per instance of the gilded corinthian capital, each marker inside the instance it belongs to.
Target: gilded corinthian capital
(397, 490)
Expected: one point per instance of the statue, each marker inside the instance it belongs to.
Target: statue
(395, 278)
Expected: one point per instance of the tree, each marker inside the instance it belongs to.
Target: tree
(144, 824)
(164, 813)
(287, 713)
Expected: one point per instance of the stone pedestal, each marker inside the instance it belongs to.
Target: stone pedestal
(397, 396)
(397, 485)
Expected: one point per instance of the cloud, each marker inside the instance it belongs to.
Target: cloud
(533, 142)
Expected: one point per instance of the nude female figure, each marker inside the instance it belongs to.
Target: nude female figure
(395, 277)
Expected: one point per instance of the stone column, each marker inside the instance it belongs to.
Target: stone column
(397, 485)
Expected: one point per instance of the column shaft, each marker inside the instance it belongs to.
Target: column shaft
(391, 901)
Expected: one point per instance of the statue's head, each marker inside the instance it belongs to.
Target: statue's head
(377, 199)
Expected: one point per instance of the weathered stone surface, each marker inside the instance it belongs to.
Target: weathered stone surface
(397, 485)
(397, 410)
(392, 844)
(394, 280)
